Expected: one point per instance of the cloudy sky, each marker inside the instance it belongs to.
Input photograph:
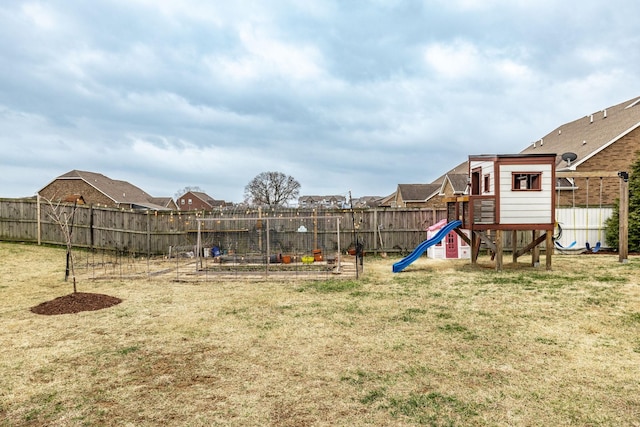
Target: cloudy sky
(342, 95)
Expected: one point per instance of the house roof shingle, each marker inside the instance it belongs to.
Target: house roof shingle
(417, 192)
(121, 192)
(208, 199)
(459, 182)
(589, 135)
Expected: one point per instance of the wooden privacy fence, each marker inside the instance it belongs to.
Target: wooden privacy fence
(154, 232)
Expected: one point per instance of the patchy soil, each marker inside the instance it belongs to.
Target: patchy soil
(75, 303)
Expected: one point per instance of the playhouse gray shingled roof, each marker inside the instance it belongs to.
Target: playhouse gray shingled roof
(590, 134)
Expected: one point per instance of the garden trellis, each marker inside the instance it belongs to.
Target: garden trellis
(283, 245)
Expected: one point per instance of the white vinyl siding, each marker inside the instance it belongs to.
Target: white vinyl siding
(525, 207)
(486, 168)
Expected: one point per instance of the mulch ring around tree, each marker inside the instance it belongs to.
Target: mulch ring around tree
(75, 303)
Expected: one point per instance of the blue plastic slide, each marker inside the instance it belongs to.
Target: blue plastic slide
(419, 250)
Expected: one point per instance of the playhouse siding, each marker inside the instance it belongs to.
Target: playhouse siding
(487, 168)
(525, 207)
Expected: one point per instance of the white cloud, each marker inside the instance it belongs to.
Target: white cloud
(263, 57)
(456, 60)
(168, 94)
(463, 60)
(40, 15)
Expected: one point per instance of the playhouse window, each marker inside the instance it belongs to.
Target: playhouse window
(526, 181)
(487, 183)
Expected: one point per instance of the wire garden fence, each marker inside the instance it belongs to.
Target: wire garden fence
(296, 247)
(282, 246)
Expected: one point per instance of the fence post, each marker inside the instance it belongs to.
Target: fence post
(39, 222)
(148, 232)
(198, 246)
(623, 218)
(338, 234)
(268, 247)
(376, 231)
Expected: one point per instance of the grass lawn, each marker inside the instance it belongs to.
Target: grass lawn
(443, 343)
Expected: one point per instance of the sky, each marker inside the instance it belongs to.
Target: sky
(344, 96)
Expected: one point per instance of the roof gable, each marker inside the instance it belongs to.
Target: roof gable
(121, 192)
(205, 198)
(417, 192)
(459, 182)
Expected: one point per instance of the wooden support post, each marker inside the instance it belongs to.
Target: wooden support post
(475, 247)
(499, 250)
(514, 245)
(623, 221)
(535, 251)
(462, 236)
(549, 248)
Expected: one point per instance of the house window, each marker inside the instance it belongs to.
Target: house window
(487, 183)
(526, 181)
(190, 201)
(182, 201)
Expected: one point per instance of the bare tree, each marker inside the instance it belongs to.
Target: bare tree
(271, 189)
(59, 214)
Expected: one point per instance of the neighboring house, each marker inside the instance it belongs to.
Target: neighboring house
(604, 141)
(197, 201)
(388, 201)
(97, 189)
(327, 202)
(454, 185)
(417, 196)
(449, 184)
(166, 202)
(367, 202)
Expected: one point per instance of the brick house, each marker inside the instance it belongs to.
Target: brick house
(454, 185)
(198, 201)
(166, 202)
(100, 190)
(415, 196)
(607, 140)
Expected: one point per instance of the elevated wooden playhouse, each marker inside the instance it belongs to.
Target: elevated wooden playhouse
(508, 193)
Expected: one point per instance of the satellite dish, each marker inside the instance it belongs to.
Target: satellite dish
(569, 157)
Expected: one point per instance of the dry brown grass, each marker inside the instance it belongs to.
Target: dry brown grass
(442, 343)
